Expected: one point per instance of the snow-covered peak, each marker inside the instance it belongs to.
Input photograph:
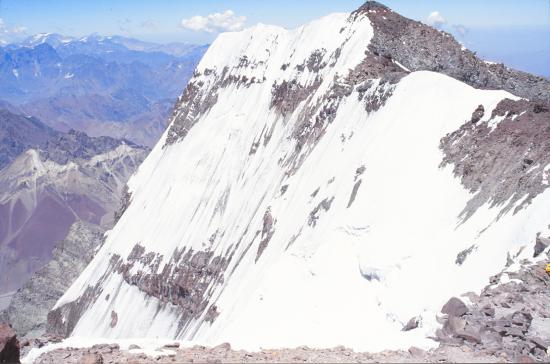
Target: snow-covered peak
(299, 197)
(52, 39)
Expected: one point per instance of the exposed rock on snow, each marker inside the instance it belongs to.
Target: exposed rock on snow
(186, 282)
(502, 158)
(540, 245)
(454, 307)
(510, 318)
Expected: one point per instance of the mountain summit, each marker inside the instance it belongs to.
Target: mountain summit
(324, 186)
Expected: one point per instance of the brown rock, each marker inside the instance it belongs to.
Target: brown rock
(9, 345)
(454, 307)
(223, 347)
(477, 114)
(455, 324)
(114, 319)
(172, 345)
(412, 324)
(524, 359)
(91, 359)
(540, 245)
(539, 343)
(469, 335)
(416, 352)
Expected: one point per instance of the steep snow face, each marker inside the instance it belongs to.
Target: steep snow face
(297, 199)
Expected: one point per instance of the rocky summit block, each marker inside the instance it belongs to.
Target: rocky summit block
(9, 345)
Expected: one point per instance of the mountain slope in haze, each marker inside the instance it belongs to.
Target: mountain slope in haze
(58, 179)
(28, 307)
(19, 133)
(111, 86)
(323, 186)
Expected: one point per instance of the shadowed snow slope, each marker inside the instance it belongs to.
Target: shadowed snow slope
(297, 198)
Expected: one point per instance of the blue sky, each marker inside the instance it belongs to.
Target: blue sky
(517, 32)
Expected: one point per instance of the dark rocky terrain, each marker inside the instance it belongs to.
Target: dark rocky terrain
(420, 47)
(110, 353)
(509, 318)
(502, 157)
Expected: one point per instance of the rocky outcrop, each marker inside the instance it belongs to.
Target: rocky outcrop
(30, 305)
(454, 307)
(188, 281)
(504, 157)
(9, 345)
(541, 244)
(287, 95)
(124, 203)
(419, 47)
(189, 107)
(509, 319)
(76, 145)
(107, 353)
(267, 232)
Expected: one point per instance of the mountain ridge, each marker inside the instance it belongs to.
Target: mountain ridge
(309, 181)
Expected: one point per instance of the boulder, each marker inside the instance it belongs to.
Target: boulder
(91, 358)
(540, 245)
(416, 352)
(412, 324)
(541, 344)
(469, 335)
(9, 345)
(454, 307)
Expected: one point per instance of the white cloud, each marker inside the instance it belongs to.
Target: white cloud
(435, 19)
(149, 24)
(8, 33)
(461, 29)
(215, 23)
(19, 30)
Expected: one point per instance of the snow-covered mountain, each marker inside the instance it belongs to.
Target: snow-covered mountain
(95, 43)
(322, 186)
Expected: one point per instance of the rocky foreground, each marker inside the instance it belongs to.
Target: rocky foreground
(102, 354)
(509, 321)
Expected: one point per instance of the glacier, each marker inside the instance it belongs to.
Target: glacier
(275, 217)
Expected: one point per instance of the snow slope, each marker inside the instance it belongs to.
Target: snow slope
(308, 261)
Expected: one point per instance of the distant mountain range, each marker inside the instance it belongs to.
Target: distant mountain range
(49, 180)
(113, 86)
(96, 43)
(74, 114)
